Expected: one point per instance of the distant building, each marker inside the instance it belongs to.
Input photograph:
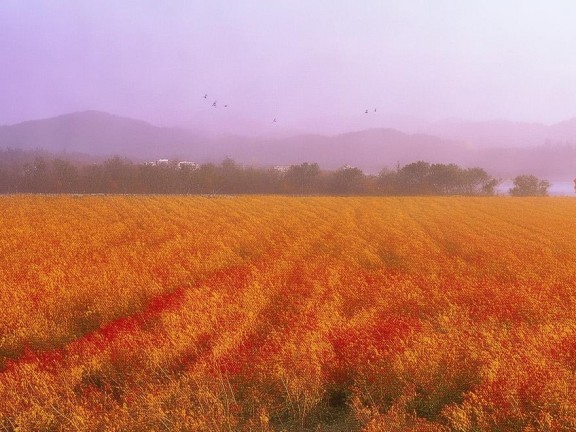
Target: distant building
(157, 162)
(282, 168)
(188, 164)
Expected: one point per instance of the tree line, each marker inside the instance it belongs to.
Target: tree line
(43, 174)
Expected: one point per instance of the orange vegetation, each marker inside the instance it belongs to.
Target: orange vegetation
(272, 313)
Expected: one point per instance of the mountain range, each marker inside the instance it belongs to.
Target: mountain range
(504, 133)
(503, 148)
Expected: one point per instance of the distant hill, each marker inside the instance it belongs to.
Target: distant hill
(495, 146)
(564, 131)
(505, 134)
(97, 133)
(101, 134)
(371, 150)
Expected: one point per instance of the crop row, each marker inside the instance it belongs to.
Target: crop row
(271, 313)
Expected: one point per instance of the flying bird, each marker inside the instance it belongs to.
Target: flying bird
(206, 95)
(366, 112)
(214, 104)
(274, 121)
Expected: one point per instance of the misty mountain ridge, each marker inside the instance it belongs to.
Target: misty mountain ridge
(493, 145)
(505, 133)
(94, 133)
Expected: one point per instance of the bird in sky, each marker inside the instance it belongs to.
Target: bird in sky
(274, 121)
(206, 96)
(214, 104)
(374, 109)
(366, 112)
(225, 106)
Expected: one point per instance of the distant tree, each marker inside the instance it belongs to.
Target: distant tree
(302, 178)
(446, 179)
(40, 172)
(421, 178)
(529, 185)
(413, 179)
(386, 181)
(118, 175)
(187, 178)
(489, 188)
(476, 181)
(5, 182)
(231, 177)
(209, 179)
(347, 181)
(65, 176)
(36, 177)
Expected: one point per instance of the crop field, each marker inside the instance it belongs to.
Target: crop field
(156, 313)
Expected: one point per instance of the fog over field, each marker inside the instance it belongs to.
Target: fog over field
(285, 82)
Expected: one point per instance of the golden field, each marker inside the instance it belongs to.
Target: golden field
(126, 313)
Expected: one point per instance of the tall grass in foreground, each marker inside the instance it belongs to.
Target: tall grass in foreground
(271, 314)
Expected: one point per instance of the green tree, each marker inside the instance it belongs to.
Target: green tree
(445, 179)
(422, 178)
(36, 177)
(476, 181)
(347, 181)
(529, 185)
(65, 176)
(118, 174)
(413, 179)
(302, 178)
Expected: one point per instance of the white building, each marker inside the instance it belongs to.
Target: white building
(282, 168)
(191, 165)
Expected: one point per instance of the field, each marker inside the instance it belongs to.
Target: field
(295, 314)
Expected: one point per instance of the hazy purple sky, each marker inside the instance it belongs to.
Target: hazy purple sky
(295, 60)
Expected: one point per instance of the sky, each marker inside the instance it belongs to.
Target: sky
(299, 61)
